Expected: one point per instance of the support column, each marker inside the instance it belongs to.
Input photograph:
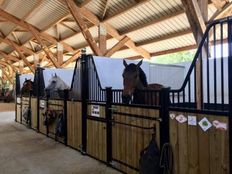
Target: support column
(102, 38)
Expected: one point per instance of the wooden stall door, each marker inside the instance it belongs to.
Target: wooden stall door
(128, 141)
(96, 133)
(42, 110)
(25, 106)
(196, 151)
(34, 113)
(18, 109)
(74, 122)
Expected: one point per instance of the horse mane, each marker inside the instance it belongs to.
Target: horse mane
(143, 77)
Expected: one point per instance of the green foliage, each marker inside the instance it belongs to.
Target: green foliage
(185, 56)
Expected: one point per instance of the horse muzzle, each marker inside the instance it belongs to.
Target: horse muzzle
(126, 98)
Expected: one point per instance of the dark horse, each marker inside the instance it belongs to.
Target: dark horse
(27, 87)
(136, 89)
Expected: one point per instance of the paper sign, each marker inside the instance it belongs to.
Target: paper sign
(42, 104)
(219, 125)
(205, 124)
(95, 110)
(181, 118)
(192, 120)
(18, 100)
(172, 116)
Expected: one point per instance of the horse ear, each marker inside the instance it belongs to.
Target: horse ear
(124, 63)
(140, 63)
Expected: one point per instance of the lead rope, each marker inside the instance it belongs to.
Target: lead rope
(166, 159)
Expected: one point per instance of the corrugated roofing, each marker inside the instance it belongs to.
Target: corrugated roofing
(139, 20)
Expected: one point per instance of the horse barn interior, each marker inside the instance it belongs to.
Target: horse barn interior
(82, 90)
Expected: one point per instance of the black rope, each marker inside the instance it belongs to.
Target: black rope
(166, 159)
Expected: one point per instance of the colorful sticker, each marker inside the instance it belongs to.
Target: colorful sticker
(192, 120)
(219, 125)
(172, 116)
(181, 118)
(205, 124)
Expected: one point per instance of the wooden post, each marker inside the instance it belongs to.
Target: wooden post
(102, 38)
(203, 4)
(59, 53)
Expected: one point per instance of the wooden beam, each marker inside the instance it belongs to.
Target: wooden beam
(102, 38)
(22, 56)
(75, 11)
(219, 4)
(105, 8)
(26, 25)
(195, 18)
(9, 57)
(44, 47)
(59, 52)
(223, 12)
(117, 46)
(114, 33)
(71, 59)
(8, 77)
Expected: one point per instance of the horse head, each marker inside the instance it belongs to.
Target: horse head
(27, 86)
(133, 78)
(55, 84)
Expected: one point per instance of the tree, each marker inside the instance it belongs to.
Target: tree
(185, 56)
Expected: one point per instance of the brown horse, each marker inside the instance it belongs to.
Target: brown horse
(136, 89)
(27, 87)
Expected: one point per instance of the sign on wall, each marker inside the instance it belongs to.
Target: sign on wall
(95, 110)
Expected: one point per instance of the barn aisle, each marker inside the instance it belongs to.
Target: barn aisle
(24, 151)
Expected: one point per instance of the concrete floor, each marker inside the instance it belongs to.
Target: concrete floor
(23, 151)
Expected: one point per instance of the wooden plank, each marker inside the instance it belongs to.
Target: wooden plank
(117, 46)
(193, 144)
(173, 132)
(203, 153)
(75, 11)
(34, 113)
(183, 147)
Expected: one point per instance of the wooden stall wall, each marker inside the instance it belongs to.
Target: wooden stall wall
(96, 132)
(129, 141)
(18, 109)
(74, 124)
(57, 106)
(197, 151)
(34, 113)
(42, 110)
(25, 102)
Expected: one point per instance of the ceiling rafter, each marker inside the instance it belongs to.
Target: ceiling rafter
(110, 30)
(83, 27)
(195, 18)
(71, 59)
(23, 57)
(105, 8)
(26, 15)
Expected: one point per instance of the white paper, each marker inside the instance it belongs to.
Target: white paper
(95, 110)
(42, 103)
(181, 118)
(18, 100)
(205, 124)
(220, 125)
(172, 116)
(192, 120)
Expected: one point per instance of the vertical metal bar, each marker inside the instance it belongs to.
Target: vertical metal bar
(189, 91)
(222, 68)
(215, 66)
(195, 86)
(84, 97)
(109, 124)
(173, 97)
(66, 92)
(207, 71)
(201, 78)
(230, 90)
(164, 114)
